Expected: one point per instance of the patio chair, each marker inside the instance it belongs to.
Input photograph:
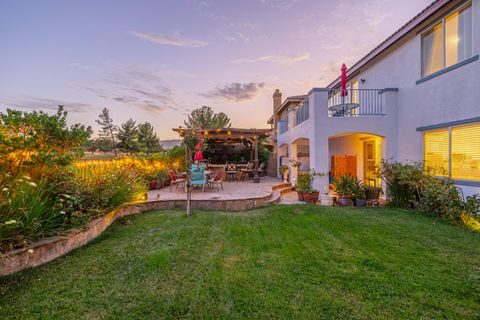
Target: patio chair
(180, 175)
(176, 181)
(231, 170)
(217, 179)
(198, 176)
(261, 170)
(249, 171)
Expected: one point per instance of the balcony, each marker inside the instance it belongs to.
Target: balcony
(358, 102)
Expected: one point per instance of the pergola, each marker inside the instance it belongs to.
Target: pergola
(232, 135)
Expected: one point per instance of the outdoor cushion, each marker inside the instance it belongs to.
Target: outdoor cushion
(173, 176)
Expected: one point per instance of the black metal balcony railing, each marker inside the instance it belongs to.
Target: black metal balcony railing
(358, 102)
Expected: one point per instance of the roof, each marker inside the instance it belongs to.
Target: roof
(229, 133)
(397, 35)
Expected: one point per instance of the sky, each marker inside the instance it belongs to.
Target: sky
(155, 61)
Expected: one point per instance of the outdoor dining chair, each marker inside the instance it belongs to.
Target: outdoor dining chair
(248, 171)
(198, 176)
(217, 179)
(231, 170)
(176, 181)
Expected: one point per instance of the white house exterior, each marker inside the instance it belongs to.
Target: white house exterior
(415, 97)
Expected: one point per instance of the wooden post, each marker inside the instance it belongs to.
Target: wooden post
(256, 178)
(189, 181)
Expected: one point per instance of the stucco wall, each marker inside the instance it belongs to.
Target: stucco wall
(451, 96)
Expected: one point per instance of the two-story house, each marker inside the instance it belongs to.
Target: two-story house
(416, 96)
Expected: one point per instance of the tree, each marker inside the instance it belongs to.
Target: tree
(107, 128)
(128, 136)
(206, 118)
(38, 143)
(147, 138)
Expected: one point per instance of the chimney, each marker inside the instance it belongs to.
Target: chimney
(277, 100)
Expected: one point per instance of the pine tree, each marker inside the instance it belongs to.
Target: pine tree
(147, 138)
(128, 136)
(107, 128)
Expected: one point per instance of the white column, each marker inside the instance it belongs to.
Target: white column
(319, 157)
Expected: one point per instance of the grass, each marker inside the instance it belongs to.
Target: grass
(278, 262)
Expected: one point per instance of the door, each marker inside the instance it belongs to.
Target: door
(369, 163)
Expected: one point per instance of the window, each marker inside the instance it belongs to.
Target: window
(466, 152)
(436, 152)
(454, 152)
(447, 42)
(283, 124)
(302, 112)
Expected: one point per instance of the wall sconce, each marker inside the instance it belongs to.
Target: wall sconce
(362, 80)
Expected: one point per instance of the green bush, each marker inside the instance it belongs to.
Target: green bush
(472, 206)
(440, 197)
(27, 212)
(402, 181)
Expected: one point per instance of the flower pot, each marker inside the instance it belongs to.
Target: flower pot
(300, 196)
(372, 194)
(345, 201)
(152, 184)
(311, 198)
(326, 200)
(360, 202)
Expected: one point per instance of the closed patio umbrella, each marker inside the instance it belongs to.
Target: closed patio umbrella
(198, 155)
(344, 91)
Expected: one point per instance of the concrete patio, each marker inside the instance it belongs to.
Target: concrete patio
(237, 190)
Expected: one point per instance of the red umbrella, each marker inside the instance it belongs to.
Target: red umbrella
(198, 155)
(344, 91)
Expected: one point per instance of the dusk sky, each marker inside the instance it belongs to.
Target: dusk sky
(157, 60)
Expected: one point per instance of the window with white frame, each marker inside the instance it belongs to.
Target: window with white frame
(447, 42)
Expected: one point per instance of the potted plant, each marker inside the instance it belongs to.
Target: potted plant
(359, 195)
(345, 186)
(152, 181)
(284, 172)
(303, 184)
(372, 192)
(310, 195)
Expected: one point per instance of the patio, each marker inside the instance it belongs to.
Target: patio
(238, 190)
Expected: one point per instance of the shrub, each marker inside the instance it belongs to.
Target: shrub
(439, 197)
(402, 180)
(27, 212)
(472, 206)
(96, 189)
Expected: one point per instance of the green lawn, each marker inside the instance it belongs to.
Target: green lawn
(285, 262)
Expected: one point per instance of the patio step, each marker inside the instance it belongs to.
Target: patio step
(286, 190)
(278, 191)
(281, 186)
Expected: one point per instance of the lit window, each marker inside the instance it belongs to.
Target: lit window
(466, 152)
(447, 42)
(458, 36)
(454, 152)
(432, 50)
(436, 152)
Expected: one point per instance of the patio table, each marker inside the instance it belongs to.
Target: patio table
(344, 108)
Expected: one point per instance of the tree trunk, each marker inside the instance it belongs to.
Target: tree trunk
(189, 181)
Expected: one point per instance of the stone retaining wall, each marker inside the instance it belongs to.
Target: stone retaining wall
(49, 249)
